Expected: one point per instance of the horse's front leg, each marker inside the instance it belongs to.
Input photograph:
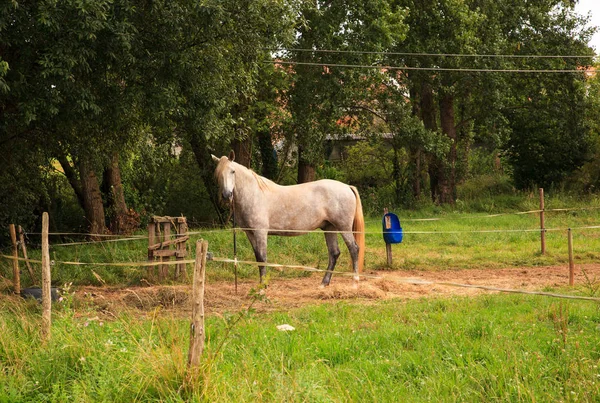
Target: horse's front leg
(258, 240)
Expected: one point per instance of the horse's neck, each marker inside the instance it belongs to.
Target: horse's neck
(246, 184)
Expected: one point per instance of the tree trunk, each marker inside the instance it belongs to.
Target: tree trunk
(415, 162)
(447, 169)
(115, 198)
(243, 151)
(396, 176)
(92, 198)
(267, 154)
(306, 170)
(428, 115)
(71, 175)
(207, 168)
(415, 151)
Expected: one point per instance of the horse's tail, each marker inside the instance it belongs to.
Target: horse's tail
(358, 228)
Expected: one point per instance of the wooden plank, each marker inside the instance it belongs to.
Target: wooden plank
(46, 280)
(197, 325)
(15, 253)
(163, 220)
(168, 243)
(168, 253)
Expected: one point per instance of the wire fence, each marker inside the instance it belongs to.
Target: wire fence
(109, 238)
(121, 238)
(403, 280)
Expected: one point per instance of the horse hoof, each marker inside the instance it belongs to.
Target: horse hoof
(323, 285)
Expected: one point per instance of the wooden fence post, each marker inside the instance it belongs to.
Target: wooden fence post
(197, 325)
(182, 229)
(24, 250)
(15, 253)
(46, 279)
(151, 241)
(164, 268)
(388, 247)
(571, 262)
(542, 223)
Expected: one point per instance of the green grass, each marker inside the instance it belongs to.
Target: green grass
(489, 348)
(448, 243)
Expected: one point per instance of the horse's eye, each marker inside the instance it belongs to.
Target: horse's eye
(232, 171)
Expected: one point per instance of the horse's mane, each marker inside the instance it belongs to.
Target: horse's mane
(263, 183)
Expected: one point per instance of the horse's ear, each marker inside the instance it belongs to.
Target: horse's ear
(231, 155)
(215, 159)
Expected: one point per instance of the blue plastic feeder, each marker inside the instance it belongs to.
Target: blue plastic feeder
(392, 231)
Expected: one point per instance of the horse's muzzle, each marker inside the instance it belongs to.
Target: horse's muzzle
(227, 195)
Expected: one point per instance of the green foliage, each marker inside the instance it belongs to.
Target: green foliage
(85, 80)
(550, 139)
(159, 181)
(486, 186)
(587, 179)
(369, 164)
(187, 194)
(318, 98)
(80, 80)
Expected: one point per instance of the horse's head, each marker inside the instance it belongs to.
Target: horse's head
(225, 175)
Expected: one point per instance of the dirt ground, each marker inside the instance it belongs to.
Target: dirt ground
(283, 294)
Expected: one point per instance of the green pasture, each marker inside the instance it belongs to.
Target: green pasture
(488, 348)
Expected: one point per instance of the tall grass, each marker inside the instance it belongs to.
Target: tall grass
(489, 348)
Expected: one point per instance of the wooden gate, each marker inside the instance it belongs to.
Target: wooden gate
(160, 240)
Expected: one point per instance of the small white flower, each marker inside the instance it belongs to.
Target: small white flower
(285, 328)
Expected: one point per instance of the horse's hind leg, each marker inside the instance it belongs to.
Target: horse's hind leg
(334, 252)
(348, 238)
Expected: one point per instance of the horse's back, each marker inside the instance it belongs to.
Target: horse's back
(312, 205)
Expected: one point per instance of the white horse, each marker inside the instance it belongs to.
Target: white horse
(263, 208)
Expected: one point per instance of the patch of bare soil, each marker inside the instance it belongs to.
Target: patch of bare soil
(283, 294)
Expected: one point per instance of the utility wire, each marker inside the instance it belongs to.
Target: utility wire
(465, 70)
(360, 52)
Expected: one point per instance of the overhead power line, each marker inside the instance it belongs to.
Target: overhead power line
(434, 54)
(464, 70)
